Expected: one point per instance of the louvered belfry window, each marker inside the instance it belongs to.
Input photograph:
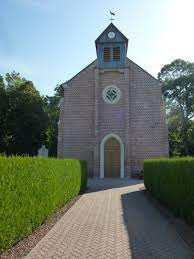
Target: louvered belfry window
(116, 53)
(106, 54)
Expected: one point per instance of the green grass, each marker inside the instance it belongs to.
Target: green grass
(172, 182)
(32, 189)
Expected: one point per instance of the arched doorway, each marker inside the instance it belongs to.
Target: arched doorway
(112, 158)
(102, 153)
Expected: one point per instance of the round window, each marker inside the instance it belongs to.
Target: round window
(111, 94)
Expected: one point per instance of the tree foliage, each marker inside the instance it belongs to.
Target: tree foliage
(3, 110)
(178, 89)
(23, 119)
(51, 108)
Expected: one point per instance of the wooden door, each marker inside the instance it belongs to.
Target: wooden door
(112, 158)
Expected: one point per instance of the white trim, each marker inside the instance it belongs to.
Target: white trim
(102, 154)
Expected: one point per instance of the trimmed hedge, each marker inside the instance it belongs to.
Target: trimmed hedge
(171, 180)
(31, 189)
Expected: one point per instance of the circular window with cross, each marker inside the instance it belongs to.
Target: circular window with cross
(111, 94)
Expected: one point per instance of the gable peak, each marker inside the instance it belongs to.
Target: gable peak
(111, 28)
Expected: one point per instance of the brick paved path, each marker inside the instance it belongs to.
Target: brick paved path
(112, 220)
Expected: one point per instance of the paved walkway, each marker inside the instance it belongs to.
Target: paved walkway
(112, 220)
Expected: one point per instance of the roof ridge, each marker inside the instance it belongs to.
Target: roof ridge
(144, 70)
(66, 82)
(111, 24)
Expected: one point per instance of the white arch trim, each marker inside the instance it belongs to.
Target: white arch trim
(102, 154)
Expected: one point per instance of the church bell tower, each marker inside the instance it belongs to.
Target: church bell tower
(111, 48)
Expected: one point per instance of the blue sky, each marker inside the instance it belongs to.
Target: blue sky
(48, 41)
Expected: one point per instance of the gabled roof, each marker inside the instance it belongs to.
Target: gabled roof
(111, 27)
(93, 62)
(154, 78)
(66, 82)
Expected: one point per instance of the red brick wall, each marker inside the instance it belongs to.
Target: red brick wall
(138, 118)
(76, 131)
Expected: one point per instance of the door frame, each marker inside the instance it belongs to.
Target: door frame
(102, 154)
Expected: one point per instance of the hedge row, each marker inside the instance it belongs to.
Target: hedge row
(172, 182)
(31, 189)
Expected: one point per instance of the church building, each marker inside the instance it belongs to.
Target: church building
(112, 114)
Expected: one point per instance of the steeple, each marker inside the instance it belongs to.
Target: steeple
(111, 48)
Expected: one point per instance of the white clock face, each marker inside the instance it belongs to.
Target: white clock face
(111, 35)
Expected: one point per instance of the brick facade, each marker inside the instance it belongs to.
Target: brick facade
(138, 118)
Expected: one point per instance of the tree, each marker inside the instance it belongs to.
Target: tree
(51, 107)
(178, 89)
(3, 109)
(25, 119)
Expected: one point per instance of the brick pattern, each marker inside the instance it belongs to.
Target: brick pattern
(138, 118)
(149, 134)
(113, 220)
(76, 130)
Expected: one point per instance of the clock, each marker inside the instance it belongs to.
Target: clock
(111, 35)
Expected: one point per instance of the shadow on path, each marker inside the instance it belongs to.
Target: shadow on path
(150, 234)
(97, 184)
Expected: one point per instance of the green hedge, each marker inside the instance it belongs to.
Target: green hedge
(172, 182)
(31, 189)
